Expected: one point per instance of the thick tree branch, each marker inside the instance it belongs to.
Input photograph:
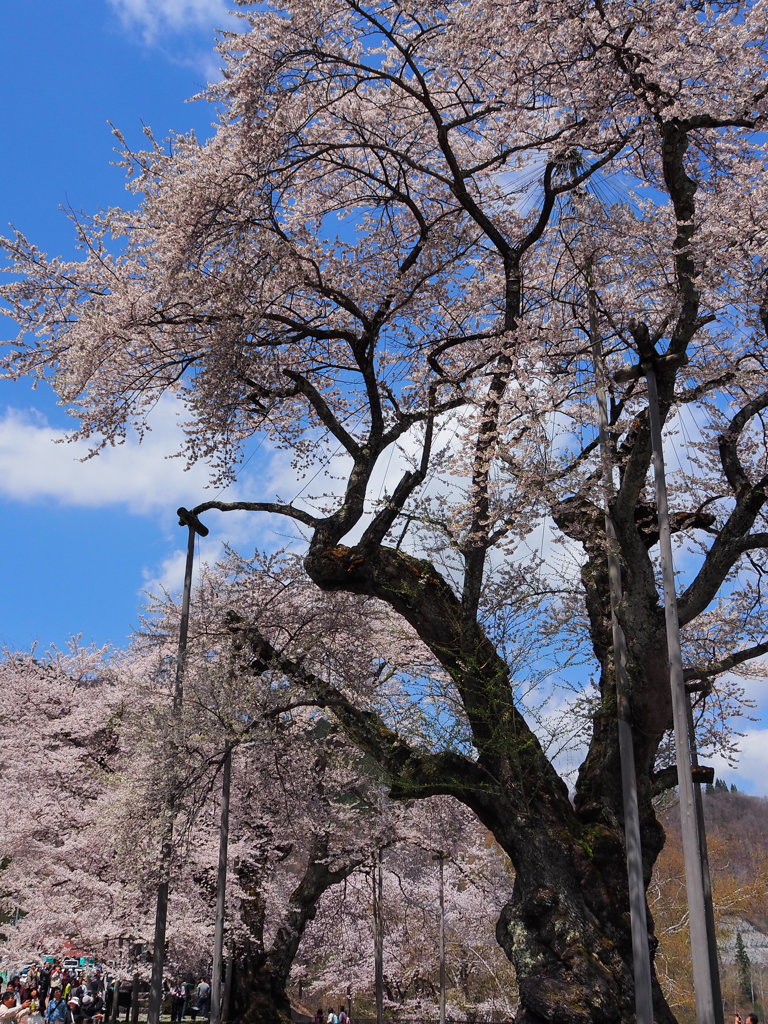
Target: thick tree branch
(410, 772)
(734, 537)
(321, 873)
(716, 668)
(276, 508)
(508, 749)
(733, 469)
(324, 413)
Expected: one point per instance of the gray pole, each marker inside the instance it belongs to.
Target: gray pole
(154, 1006)
(440, 858)
(226, 998)
(378, 939)
(706, 1011)
(221, 889)
(714, 965)
(641, 957)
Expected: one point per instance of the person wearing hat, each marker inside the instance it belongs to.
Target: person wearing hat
(75, 1010)
(10, 1010)
(93, 1008)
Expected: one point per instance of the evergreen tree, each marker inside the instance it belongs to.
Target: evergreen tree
(743, 969)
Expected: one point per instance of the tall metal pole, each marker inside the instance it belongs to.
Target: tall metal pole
(714, 965)
(221, 889)
(378, 938)
(440, 858)
(641, 957)
(706, 1010)
(154, 1006)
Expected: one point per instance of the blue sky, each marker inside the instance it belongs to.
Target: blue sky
(81, 542)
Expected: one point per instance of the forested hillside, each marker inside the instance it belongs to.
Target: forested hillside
(737, 837)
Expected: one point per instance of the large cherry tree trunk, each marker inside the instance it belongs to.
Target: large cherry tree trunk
(566, 927)
(259, 993)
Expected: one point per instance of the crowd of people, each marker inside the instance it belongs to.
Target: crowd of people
(187, 998)
(53, 994)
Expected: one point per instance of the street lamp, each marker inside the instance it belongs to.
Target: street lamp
(194, 526)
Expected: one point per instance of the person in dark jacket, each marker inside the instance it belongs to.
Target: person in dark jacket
(75, 1010)
(93, 1009)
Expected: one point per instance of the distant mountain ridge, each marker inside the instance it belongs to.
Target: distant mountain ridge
(737, 841)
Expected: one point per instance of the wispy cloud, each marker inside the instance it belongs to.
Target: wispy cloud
(156, 18)
(751, 772)
(36, 463)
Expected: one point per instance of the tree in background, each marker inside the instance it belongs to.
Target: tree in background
(395, 257)
(743, 969)
(88, 775)
(62, 753)
(739, 872)
(336, 958)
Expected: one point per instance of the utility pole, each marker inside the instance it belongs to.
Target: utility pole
(378, 937)
(221, 889)
(190, 520)
(641, 957)
(703, 774)
(440, 858)
(704, 980)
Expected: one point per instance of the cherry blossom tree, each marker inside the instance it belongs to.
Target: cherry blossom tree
(336, 961)
(306, 807)
(83, 815)
(78, 818)
(63, 755)
(395, 257)
(89, 772)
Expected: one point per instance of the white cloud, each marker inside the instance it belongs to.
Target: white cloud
(751, 772)
(36, 464)
(167, 577)
(156, 17)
